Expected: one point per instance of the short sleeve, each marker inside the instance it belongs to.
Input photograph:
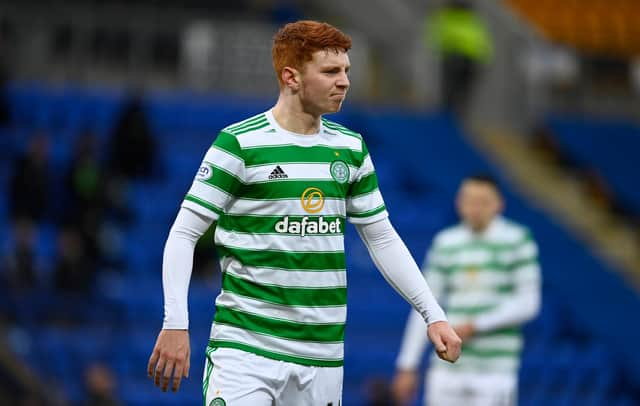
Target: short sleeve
(219, 178)
(364, 201)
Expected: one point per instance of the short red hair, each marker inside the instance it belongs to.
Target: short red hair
(295, 43)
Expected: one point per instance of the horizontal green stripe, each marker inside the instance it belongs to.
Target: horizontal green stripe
(468, 310)
(479, 267)
(266, 224)
(308, 297)
(228, 143)
(221, 168)
(204, 204)
(503, 332)
(291, 189)
(368, 213)
(498, 288)
(494, 266)
(285, 260)
(469, 350)
(275, 355)
(478, 365)
(506, 288)
(365, 185)
(223, 180)
(524, 262)
(297, 154)
(481, 245)
(323, 333)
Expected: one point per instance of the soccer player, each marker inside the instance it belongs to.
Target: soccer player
(280, 186)
(486, 271)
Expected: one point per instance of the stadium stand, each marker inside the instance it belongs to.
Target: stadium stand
(575, 354)
(609, 146)
(591, 26)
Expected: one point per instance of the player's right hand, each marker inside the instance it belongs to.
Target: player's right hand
(404, 387)
(170, 356)
(445, 341)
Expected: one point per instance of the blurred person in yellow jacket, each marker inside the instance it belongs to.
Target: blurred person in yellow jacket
(462, 40)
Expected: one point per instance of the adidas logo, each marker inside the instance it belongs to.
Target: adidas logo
(278, 173)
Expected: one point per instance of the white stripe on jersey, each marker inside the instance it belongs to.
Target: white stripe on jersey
(487, 278)
(364, 202)
(365, 169)
(502, 343)
(525, 252)
(200, 210)
(257, 139)
(472, 256)
(530, 272)
(210, 194)
(472, 298)
(369, 220)
(306, 349)
(281, 242)
(310, 171)
(285, 207)
(225, 161)
(474, 363)
(287, 278)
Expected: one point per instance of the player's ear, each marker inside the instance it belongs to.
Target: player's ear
(291, 78)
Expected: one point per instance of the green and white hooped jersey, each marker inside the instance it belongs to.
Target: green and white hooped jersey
(474, 274)
(281, 200)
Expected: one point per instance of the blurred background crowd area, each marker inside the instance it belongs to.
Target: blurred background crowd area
(106, 108)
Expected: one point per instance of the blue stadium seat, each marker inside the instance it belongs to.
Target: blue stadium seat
(608, 146)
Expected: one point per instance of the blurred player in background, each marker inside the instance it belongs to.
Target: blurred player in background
(280, 186)
(485, 271)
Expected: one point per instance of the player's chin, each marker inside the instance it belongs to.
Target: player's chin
(334, 106)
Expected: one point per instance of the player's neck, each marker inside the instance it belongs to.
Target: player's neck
(292, 117)
(480, 229)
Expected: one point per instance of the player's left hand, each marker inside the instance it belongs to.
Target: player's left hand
(445, 340)
(170, 357)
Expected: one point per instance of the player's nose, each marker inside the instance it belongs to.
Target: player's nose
(343, 81)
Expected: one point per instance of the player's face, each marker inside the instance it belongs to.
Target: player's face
(478, 203)
(324, 82)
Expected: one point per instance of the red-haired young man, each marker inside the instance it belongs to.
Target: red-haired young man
(280, 186)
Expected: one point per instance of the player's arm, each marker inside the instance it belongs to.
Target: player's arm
(218, 180)
(367, 211)
(171, 353)
(524, 303)
(414, 341)
(396, 264)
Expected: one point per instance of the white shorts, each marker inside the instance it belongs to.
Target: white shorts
(444, 388)
(238, 378)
